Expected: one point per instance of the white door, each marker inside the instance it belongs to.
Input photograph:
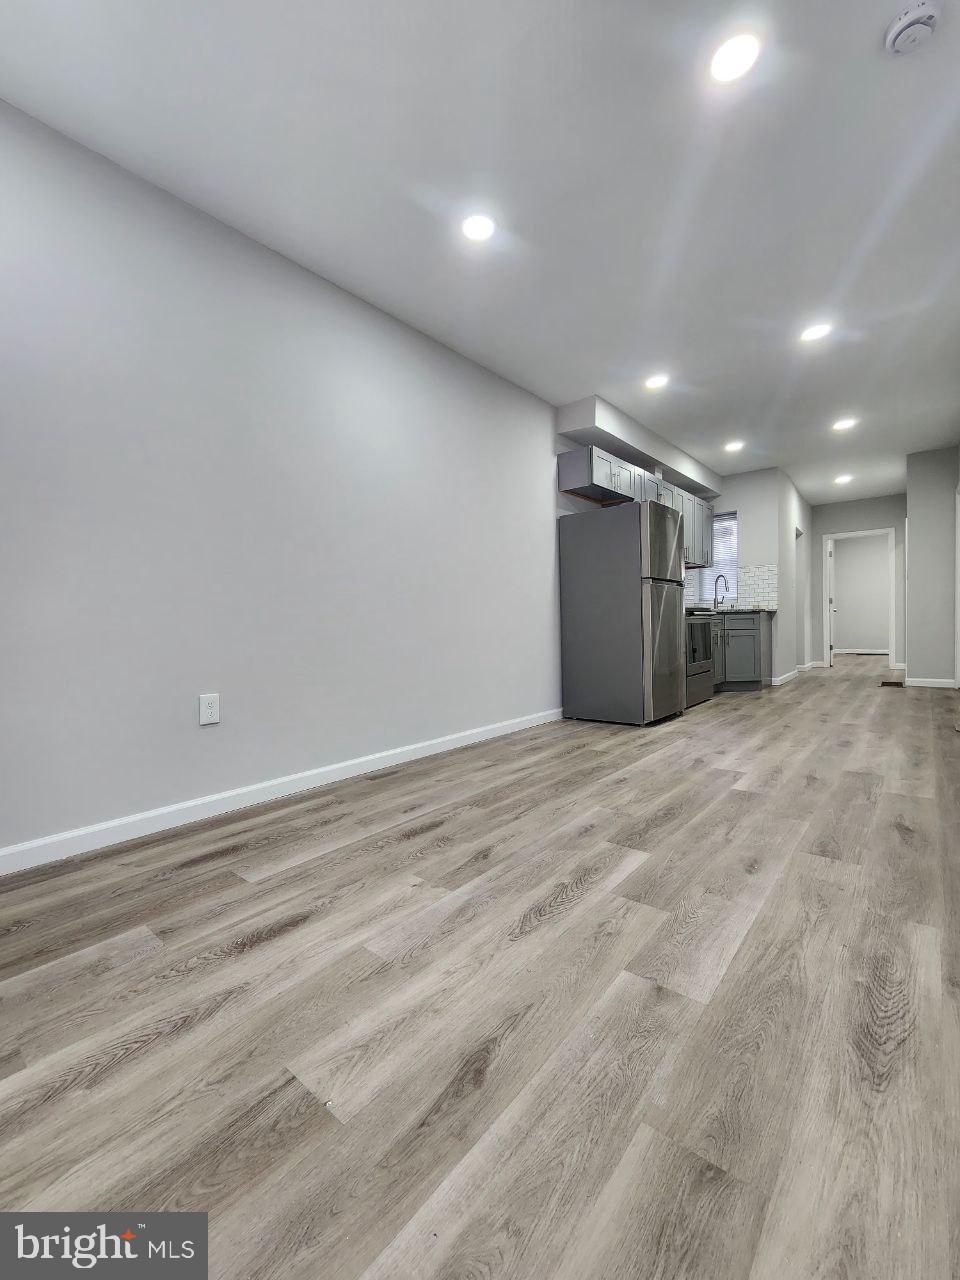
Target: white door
(861, 594)
(831, 598)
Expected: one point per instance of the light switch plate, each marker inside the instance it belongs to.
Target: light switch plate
(209, 708)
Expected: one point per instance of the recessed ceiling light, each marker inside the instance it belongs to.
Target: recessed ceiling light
(735, 57)
(733, 446)
(478, 227)
(844, 424)
(843, 479)
(814, 332)
(656, 381)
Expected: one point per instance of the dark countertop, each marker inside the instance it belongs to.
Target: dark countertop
(757, 609)
(710, 613)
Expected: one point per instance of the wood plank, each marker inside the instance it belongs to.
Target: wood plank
(691, 950)
(523, 1191)
(950, 1148)
(279, 946)
(903, 860)
(665, 1213)
(682, 857)
(859, 1182)
(201, 1166)
(731, 1098)
(334, 1215)
(349, 1069)
(840, 827)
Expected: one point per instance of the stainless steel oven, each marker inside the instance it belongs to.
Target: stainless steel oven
(699, 659)
(699, 645)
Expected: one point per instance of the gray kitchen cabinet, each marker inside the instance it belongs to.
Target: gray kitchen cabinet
(678, 507)
(676, 501)
(707, 535)
(688, 529)
(601, 470)
(624, 478)
(737, 620)
(697, 531)
(591, 473)
(747, 649)
(741, 657)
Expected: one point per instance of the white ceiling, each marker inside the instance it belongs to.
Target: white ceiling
(649, 217)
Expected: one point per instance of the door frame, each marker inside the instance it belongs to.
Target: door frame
(829, 538)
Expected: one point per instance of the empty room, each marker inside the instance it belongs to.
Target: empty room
(479, 702)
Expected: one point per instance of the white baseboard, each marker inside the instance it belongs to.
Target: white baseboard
(68, 844)
(791, 675)
(805, 666)
(898, 666)
(865, 652)
(818, 662)
(921, 682)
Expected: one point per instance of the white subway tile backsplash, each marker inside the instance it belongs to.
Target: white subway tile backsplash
(758, 586)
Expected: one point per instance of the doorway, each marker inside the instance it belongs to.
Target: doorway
(859, 594)
(801, 595)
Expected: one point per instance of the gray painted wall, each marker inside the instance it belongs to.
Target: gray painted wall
(853, 517)
(755, 496)
(791, 625)
(861, 568)
(769, 512)
(931, 564)
(218, 472)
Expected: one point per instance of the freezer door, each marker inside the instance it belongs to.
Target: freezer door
(661, 550)
(664, 663)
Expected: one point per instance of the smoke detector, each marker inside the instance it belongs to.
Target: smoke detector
(913, 26)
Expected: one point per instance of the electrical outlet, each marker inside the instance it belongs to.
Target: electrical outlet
(209, 708)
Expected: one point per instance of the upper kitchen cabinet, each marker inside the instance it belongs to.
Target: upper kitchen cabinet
(697, 532)
(624, 479)
(592, 473)
(687, 500)
(707, 535)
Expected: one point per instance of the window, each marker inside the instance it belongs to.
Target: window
(698, 587)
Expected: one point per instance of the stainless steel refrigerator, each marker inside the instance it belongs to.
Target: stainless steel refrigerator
(621, 613)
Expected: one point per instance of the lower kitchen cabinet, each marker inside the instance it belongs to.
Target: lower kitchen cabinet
(742, 653)
(747, 650)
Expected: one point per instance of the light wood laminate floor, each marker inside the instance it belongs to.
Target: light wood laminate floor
(588, 1002)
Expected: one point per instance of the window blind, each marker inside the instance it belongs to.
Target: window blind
(698, 584)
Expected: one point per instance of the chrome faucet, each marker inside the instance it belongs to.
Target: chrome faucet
(726, 587)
